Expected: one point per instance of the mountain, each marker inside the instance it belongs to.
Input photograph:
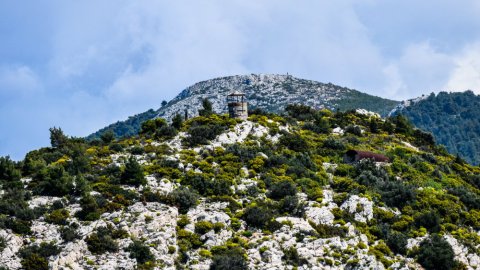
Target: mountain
(269, 192)
(268, 92)
(453, 119)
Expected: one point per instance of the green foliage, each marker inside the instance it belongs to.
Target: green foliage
(436, 253)
(3, 243)
(35, 257)
(53, 181)
(292, 257)
(103, 240)
(140, 252)
(70, 232)
(294, 142)
(229, 259)
(397, 242)
(454, 120)
(57, 138)
(202, 227)
(328, 231)
(184, 199)
(207, 108)
(90, 209)
(177, 121)
(58, 217)
(429, 220)
(133, 173)
(282, 189)
(257, 216)
(107, 137)
(9, 174)
(127, 128)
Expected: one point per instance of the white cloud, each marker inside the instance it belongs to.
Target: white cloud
(466, 74)
(420, 69)
(18, 81)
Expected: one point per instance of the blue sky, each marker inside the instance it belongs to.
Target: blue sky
(81, 65)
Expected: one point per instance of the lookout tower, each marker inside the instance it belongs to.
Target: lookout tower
(237, 105)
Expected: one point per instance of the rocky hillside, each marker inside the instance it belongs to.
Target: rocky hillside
(453, 119)
(268, 92)
(265, 193)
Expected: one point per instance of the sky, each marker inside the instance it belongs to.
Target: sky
(81, 65)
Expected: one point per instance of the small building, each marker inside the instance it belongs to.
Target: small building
(237, 105)
(352, 156)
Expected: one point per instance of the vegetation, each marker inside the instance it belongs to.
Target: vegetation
(294, 168)
(454, 120)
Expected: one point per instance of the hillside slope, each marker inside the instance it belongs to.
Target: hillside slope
(453, 119)
(269, 92)
(265, 193)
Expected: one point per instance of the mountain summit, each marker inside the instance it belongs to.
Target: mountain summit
(268, 92)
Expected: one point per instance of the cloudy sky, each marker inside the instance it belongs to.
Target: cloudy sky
(81, 65)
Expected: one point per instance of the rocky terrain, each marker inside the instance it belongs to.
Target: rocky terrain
(266, 193)
(265, 91)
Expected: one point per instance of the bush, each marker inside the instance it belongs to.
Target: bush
(69, 232)
(104, 240)
(436, 253)
(328, 231)
(140, 252)
(397, 242)
(90, 210)
(3, 244)
(54, 181)
(291, 205)
(429, 220)
(282, 189)
(183, 198)
(294, 142)
(202, 227)
(35, 257)
(133, 173)
(229, 259)
(257, 216)
(58, 217)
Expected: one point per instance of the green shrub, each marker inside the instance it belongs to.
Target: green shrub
(257, 216)
(58, 217)
(429, 220)
(328, 231)
(104, 240)
(140, 252)
(202, 227)
(133, 173)
(70, 232)
(183, 198)
(230, 259)
(35, 257)
(397, 242)
(3, 244)
(291, 257)
(282, 189)
(436, 253)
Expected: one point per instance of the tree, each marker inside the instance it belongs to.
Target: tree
(57, 138)
(164, 103)
(207, 108)
(133, 173)
(107, 137)
(436, 253)
(177, 121)
(140, 252)
(230, 259)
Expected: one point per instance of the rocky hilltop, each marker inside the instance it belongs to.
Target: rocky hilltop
(266, 193)
(268, 92)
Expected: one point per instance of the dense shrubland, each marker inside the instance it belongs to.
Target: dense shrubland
(433, 192)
